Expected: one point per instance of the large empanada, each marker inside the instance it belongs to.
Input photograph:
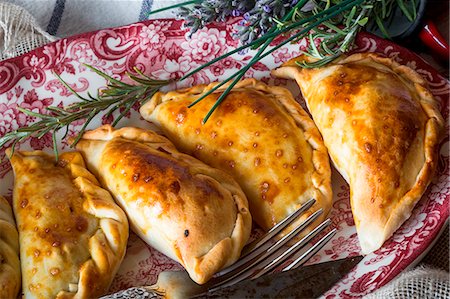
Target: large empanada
(193, 213)
(260, 135)
(9, 253)
(381, 126)
(72, 235)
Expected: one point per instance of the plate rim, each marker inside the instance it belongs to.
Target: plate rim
(443, 223)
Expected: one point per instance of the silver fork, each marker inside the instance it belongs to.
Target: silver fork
(258, 258)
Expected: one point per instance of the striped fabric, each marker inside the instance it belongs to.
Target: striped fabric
(63, 18)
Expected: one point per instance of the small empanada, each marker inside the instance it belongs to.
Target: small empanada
(193, 213)
(381, 126)
(72, 235)
(9, 253)
(260, 135)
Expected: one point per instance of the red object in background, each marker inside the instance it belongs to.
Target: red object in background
(431, 37)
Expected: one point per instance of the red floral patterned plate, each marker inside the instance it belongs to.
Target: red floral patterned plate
(160, 48)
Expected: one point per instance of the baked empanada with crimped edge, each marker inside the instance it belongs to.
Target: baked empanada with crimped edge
(381, 126)
(191, 212)
(72, 234)
(9, 253)
(260, 135)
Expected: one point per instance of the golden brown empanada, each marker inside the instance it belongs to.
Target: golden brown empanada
(381, 126)
(9, 253)
(195, 214)
(72, 235)
(260, 135)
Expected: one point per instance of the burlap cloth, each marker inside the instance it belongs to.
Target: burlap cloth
(19, 33)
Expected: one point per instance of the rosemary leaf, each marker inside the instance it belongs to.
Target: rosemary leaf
(55, 146)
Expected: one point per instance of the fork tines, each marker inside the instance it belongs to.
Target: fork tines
(267, 253)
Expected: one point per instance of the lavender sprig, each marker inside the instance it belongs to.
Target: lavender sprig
(205, 12)
(261, 18)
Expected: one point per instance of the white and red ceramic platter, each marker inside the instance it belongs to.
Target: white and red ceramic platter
(162, 49)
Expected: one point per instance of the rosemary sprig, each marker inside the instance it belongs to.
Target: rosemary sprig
(116, 95)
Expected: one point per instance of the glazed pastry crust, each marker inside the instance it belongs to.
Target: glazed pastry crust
(381, 126)
(260, 135)
(72, 235)
(9, 253)
(189, 211)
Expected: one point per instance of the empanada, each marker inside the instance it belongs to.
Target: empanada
(9, 253)
(260, 135)
(193, 213)
(72, 235)
(381, 126)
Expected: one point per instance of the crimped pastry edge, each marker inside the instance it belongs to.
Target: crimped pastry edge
(10, 278)
(433, 129)
(96, 273)
(322, 176)
(226, 251)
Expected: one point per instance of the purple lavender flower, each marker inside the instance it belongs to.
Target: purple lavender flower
(258, 15)
(267, 8)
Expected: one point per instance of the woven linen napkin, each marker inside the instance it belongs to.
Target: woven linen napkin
(20, 32)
